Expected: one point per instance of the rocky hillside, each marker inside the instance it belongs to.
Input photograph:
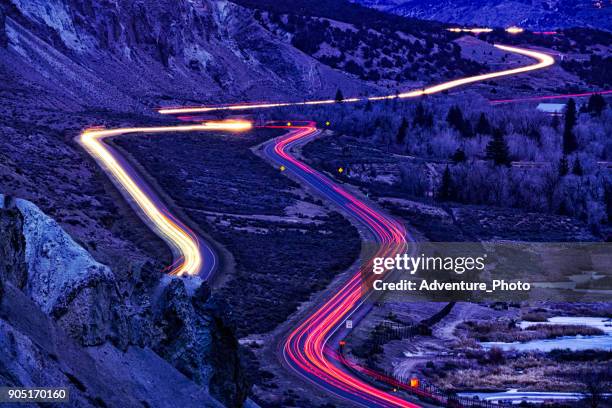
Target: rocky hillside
(532, 14)
(84, 329)
(136, 55)
(120, 55)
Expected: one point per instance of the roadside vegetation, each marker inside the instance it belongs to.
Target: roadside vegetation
(382, 55)
(506, 156)
(496, 370)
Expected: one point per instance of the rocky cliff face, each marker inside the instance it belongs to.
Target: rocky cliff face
(83, 301)
(66, 282)
(198, 343)
(12, 246)
(37, 352)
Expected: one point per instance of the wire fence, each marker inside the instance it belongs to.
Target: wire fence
(389, 330)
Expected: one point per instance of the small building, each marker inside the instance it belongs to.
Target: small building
(552, 108)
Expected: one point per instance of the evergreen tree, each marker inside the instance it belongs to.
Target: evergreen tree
(555, 122)
(563, 208)
(402, 131)
(428, 120)
(419, 114)
(459, 156)
(570, 114)
(497, 149)
(570, 144)
(563, 166)
(466, 129)
(569, 138)
(483, 127)
(446, 192)
(422, 118)
(577, 168)
(596, 105)
(339, 96)
(456, 121)
(534, 133)
(455, 118)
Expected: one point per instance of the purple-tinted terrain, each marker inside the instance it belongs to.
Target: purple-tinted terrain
(85, 301)
(533, 14)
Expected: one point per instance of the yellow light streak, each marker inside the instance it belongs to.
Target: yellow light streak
(544, 60)
(514, 30)
(180, 240)
(476, 30)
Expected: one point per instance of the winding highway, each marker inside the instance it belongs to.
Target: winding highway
(191, 258)
(312, 348)
(544, 61)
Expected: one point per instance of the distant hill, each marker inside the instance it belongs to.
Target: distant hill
(532, 14)
(374, 46)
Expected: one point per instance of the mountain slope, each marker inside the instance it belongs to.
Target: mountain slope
(120, 55)
(135, 55)
(532, 14)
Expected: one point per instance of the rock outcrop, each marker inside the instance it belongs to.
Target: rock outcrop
(198, 343)
(12, 245)
(46, 275)
(67, 283)
(82, 295)
(3, 36)
(74, 307)
(37, 352)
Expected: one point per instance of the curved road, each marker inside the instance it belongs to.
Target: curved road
(307, 348)
(544, 60)
(191, 258)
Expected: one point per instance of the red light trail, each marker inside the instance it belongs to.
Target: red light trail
(306, 348)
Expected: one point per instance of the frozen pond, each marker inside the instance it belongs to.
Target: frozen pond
(600, 322)
(516, 397)
(573, 343)
(567, 342)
